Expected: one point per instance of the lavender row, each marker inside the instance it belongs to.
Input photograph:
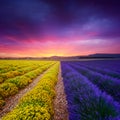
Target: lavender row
(85, 100)
(113, 65)
(103, 71)
(106, 83)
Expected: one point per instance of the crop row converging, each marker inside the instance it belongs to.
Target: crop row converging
(92, 89)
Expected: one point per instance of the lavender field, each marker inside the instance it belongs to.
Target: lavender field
(92, 89)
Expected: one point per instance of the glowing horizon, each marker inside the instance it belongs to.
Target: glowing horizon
(58, 48)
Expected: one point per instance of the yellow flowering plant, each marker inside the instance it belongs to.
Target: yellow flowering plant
(11, 86)
(37, 104)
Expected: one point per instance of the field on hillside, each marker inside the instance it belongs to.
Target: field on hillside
(28, 90)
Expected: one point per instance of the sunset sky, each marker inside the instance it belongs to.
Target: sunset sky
(38, 28)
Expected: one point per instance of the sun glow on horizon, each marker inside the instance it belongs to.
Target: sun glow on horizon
(48, 48)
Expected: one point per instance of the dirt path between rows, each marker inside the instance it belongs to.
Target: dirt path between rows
(60, 103)
(12, 101)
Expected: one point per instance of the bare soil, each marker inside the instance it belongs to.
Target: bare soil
(60, 103)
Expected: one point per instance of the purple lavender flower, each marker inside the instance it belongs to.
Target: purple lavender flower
(85, 100)
(105, 83)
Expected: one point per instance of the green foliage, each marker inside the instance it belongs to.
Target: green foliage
(2, 102)
(8, 89)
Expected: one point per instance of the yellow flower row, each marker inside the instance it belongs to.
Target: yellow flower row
(12, 86)
(12, 65)
(13, 73)
(37, 104)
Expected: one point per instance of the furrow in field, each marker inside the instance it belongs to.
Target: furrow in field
(60, 102)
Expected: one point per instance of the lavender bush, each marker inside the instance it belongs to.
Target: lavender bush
(105, 83)
(85, 100)
(98, 68)
(112, 65)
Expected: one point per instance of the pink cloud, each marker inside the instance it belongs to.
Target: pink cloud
(51, 45)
